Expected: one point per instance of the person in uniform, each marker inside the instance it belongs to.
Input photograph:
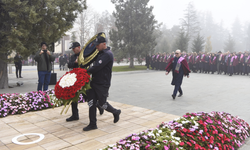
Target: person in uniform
(213, 65)
(248, 64)
(101, 79)
(206, 63)
(153, 62)
(202, 62)
(179, 68)
(157, 60)
(147, 61)
(227, 57)
(232, 63)
(219, 57)
(245, 65)
(73, 63)
(197, 61)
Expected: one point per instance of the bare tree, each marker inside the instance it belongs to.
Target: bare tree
(105, 23)
(85, 25)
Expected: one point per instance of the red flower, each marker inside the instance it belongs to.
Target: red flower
(197, 146)
(182, 143)
(211, 140)
(67, 93)
(184, 130)
(189, 143)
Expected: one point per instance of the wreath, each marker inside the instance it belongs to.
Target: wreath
(71, 85)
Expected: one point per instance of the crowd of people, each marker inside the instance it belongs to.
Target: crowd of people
(202, 62)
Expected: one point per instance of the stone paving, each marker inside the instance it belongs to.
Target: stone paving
(144, 98)
(60, 134)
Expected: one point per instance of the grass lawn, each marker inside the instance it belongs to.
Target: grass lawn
(126, 68)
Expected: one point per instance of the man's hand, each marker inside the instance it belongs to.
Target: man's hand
(41, 52)
(76, 60)
(166, 73)
(48, 52)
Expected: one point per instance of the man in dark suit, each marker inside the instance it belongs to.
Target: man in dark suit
(101, 79)
(73, 63)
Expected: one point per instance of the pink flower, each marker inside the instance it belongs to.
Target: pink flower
(147, 146)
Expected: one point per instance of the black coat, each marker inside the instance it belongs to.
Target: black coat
(72, 60)
(102, 68)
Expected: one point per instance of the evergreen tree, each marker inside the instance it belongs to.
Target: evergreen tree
(163, 40)
(229, 44)
(198, 44)
(190, 21)
(134, 36)
(208, 47)
(25, 24)
(237, 34)
(248, 38)
(181, 42)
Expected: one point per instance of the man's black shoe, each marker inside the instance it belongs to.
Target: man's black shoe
(20, 77)
(117, 115)
(72, 118)
(173, 96)
(180, 95)
(101, 111)
(89, 127)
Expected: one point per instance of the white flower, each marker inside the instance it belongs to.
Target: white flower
(178, 138)
(68, 80)
(184, 122)
(172, 133)
(151, 134)
(176, 119)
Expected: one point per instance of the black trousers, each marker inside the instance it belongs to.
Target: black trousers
(230, 70)
(18, 70)
(177, 88)
(98, 93)
(74, 109)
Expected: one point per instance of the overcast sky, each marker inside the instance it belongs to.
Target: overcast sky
(170, 11)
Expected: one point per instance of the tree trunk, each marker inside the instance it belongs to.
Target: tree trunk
(3, 72)
(131, 65)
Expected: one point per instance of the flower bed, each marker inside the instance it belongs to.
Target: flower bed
(16, 103)
(201, 131)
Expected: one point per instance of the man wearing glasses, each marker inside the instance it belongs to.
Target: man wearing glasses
(179, 68)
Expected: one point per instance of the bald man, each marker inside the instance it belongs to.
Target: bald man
(179, 68)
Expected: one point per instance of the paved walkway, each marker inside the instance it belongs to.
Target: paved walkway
(136, 93)
(60, 134)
